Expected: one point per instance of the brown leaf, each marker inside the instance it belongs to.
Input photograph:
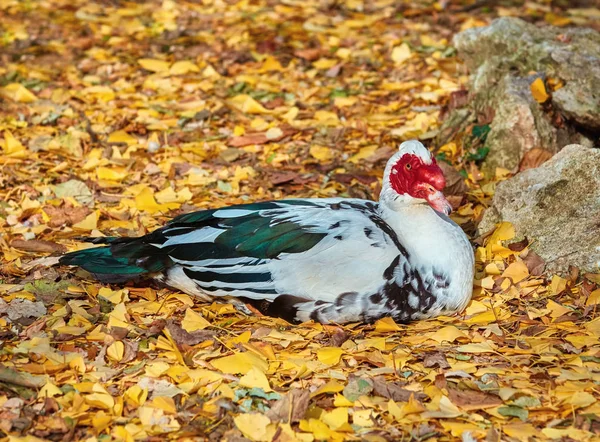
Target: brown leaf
(435, 360)
(60, 216)
(472, 399)
(534, 263)
(291, 407)
(43, 368)
(338, 338)
(259, 138)
(534, 158)
(455, 183)
(383, 153)
(310, 54)
(458, 99)
(346, 178)
(392, 390)
(183, 337)
(37, 246)
(519, 245)
(283, 177)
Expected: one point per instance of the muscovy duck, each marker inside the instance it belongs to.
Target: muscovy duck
(331, 260)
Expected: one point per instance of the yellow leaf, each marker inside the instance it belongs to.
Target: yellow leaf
(447, 409)
(521, 431)
(118, 317)
(363, 418)
(165, 403)
(144, 201)
(335, 418)
(447, 334)
(557, 285)
(475, 307)
(240, 363)
(155, 417)
(253, 425)
(538, 91)
(321, 153)
(89, 223)
(340, 400)
(271, 64)
(120, 136)
(193, 321)
(157, 369)
(114, 296)
(401, 53)
(386, 325)
(594, 298)
(571, 433)
(102, 93)
(503, 232)
(481, 347)
(255, 378)
(325, 63)
(12, 146)
(395, 410)
(242, 338)
(329, 387)
(247, 104)
(18, 92)
(291, 114)
(580, 399)
(116, 350)
(327, 118)
(345, 101)
(100, 400)
(329, 355)
(183, 67)
(557, 310)
(153, 65)
(458, 428)
(101, 420)
(111, 174)
(492, 269)
(363, 153)
(49, 390)
(136, 395)
(517, 271)
(488, 317)
(319, 430)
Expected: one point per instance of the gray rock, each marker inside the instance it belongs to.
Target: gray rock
(504, 58)
(557, 207)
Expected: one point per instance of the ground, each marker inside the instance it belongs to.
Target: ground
(115, 116)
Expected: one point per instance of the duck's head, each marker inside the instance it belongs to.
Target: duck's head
(412, 176)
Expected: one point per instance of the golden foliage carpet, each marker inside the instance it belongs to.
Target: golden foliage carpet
(115, 115)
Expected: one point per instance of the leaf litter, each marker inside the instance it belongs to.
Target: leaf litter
(115, 116)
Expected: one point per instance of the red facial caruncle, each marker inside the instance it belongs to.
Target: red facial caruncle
(411, 176)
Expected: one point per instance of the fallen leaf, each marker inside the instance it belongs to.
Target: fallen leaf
(538, 91)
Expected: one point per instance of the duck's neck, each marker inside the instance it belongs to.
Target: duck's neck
(434, 244)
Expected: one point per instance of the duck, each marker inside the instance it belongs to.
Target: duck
(330, 260)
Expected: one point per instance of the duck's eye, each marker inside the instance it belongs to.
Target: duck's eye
(408, 166)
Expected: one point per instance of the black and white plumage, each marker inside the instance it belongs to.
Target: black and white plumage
(330, 260)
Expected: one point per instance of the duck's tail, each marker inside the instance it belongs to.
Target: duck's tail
(123, 259)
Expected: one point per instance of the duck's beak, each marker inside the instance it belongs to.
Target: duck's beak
(438, 202)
